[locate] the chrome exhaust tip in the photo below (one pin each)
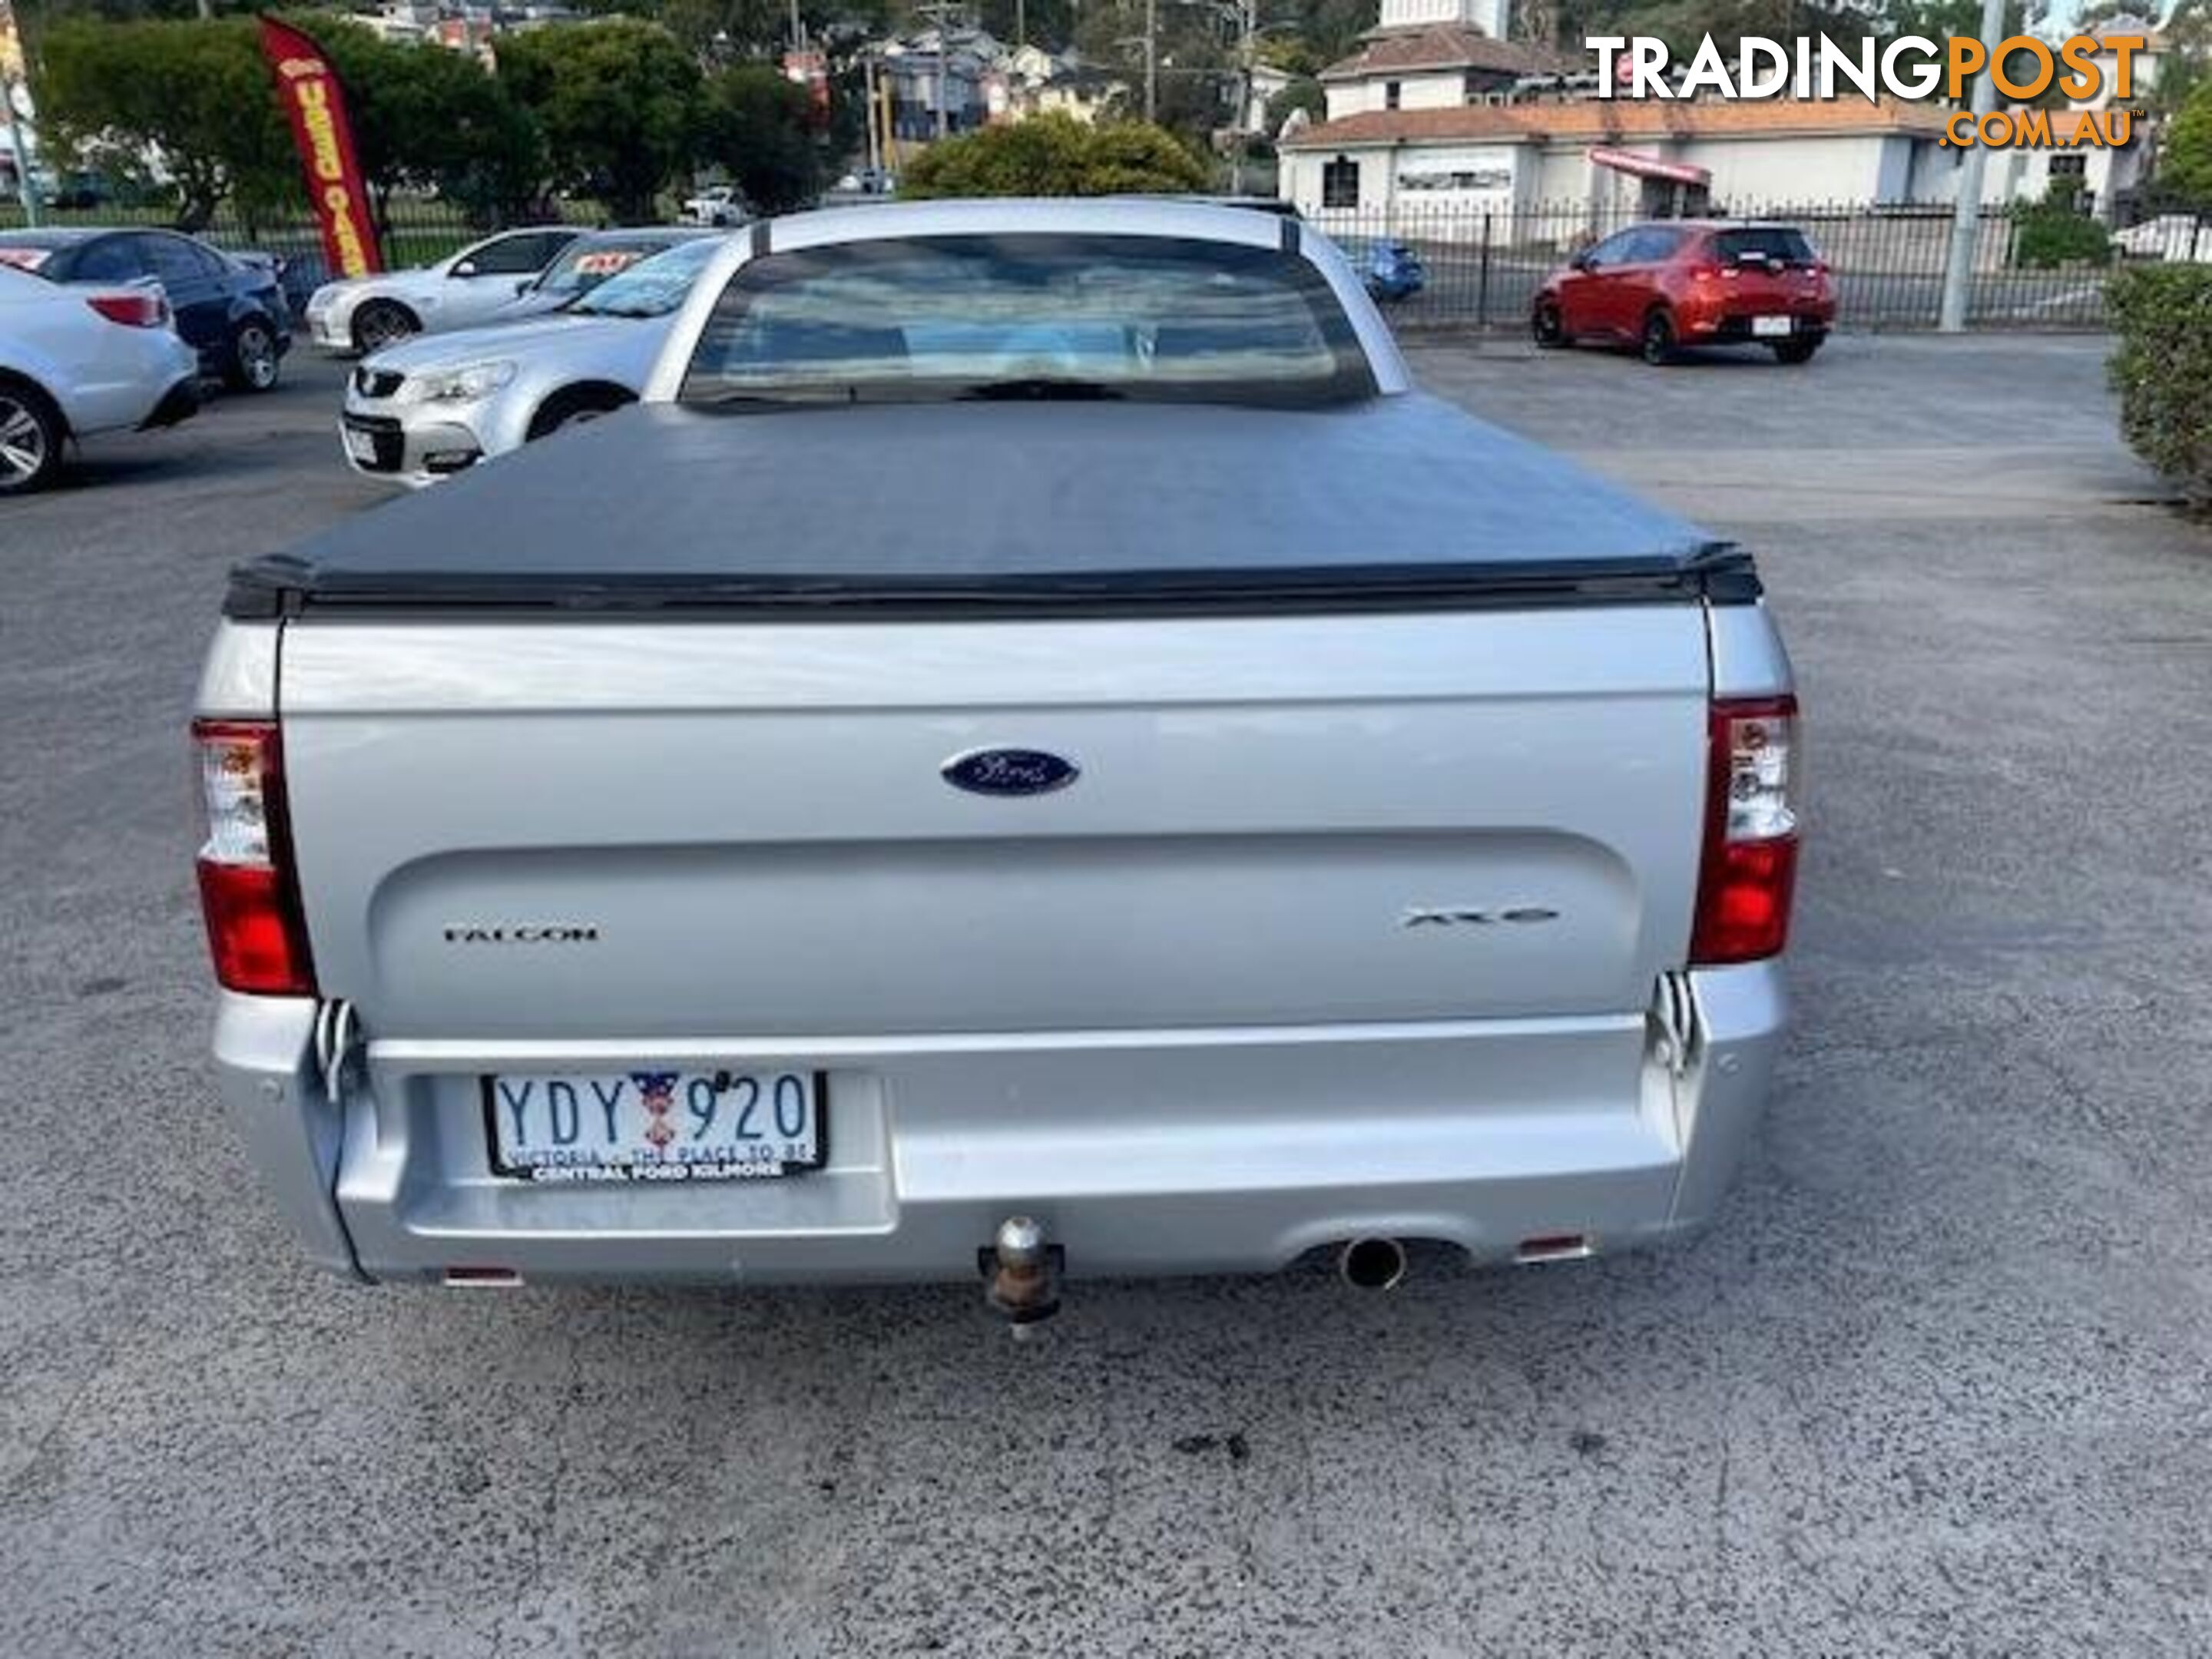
(1373, 1264)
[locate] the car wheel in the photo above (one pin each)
(572, 408)
(1658, 344)
(1794, 351)
(31, 434)
(381, 322)
(254, 359)
(1545, 324)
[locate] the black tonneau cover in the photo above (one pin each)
(1396, 502)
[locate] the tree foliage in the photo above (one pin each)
(617, 102)
(2184, 166)
(752, 124)
(1306, 94)
(196, 92)
(1055, 155)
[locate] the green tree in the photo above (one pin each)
(1305, 93)
(753, 122)
(2185, 165)
(617, 102)
(197, 92)
(1055, 155)
(424, 118)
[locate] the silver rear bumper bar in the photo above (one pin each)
(1159, 1151)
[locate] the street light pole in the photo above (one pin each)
(1967, 210)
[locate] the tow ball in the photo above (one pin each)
(1022, 1275)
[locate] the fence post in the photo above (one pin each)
(1482, 277)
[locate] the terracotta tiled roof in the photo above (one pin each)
(1446, 46)
(1604, 120)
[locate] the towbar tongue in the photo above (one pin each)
(1022, 1275)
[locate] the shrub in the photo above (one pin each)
(2056, 232)
(1055, 155)
(2162, 369)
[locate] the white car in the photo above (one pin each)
(365, 314)
(717, 205)
(77, 360)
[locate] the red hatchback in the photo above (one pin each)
(1689, 283)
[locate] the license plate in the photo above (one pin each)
(362, 445)
(648, 1125)
(1766, 325)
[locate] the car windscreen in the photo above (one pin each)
(1028, 315)
(1771, 244)
(586, 263)
(653, 287)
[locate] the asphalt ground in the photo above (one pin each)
(1936, 1384)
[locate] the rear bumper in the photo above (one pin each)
(179, 403)
(1142, 1152)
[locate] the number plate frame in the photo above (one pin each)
(627, 1174)
(1779, 327)
(360, 444)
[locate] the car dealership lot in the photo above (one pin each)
(1935, 1386)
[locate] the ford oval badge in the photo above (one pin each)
(1010, 772)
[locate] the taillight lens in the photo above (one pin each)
(255, 929)
(144, 309)
(1750, 869)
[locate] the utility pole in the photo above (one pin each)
(875, 151)
(940, 12)
(1966, 211)
(1247, 33)
(798, 29)
(1151, 60)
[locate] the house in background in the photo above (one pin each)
(1435, 113)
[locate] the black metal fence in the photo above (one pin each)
(413, 230)
(1484, 268)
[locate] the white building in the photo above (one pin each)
(1434, 113)
(2106, 176)
(1617, 153)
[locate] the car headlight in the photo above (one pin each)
(457, 385)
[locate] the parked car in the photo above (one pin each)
(1683, 283)
(233, 313)
(722, 206)
(588, 261)
(425, 409)
(1391, 270)
(365, 313)
(1035, 747)
(79, 361)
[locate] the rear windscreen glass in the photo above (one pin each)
(1772, 243)
(940, 318)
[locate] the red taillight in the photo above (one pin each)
(256, 932)
(134, 310)
(1751, 832)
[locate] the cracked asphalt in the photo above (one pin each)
(1935, 1385)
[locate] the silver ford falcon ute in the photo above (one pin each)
(1034, 751)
